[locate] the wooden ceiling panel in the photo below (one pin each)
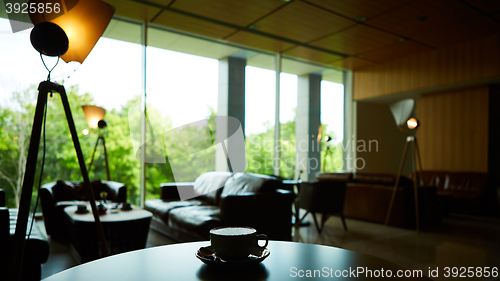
(290, 66)
(333, 75)
(302, 22)
(258, 41)
(464, 31)
(355, 40)
(312, 55)
(193, 25)
(134, 10)
(263, 61)
(189, 45)
(298, 67)
(124, 31)
(236, 12)
(322, 24)
(422, 16)
(356, 9)
(217, 51)
(395, 51)
(352, 63)
(488, 6)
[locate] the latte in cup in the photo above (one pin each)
(236, 243)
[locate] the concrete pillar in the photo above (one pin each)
(306, 126)
(231, 103)
(350, 133)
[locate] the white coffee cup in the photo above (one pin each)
(236, 243)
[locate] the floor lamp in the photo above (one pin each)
(327, 152)
(95, 119)
(402, 112)
(49, 38)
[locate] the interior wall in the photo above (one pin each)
(467, 62)
(494, 135)
(379, 143)
(454, 130)
(455, 122)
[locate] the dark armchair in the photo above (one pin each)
(36, 249)
(325, 197)
(56, 196)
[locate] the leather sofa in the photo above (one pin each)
(464, 192)
(55, 196)
(36, 248)
(223, 199)
(368, 196)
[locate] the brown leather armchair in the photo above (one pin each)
(325, 197)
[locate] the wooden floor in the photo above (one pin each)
(459, 241)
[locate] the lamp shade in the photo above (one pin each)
(404, 116)
(402, 111)
(83, 21)
(93, 114)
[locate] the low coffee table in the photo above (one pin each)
(125, 230)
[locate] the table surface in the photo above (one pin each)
(112, 215)
(287, 261)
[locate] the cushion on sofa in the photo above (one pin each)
(208, 186)
(468, 182)
(439, 179)
(241, 183)
(197, 220)
(161, 208)
(380, 178)
(334, 177)
(66, 191)
(69, 191)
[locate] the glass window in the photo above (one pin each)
(181, 90)
(260, 100)
(288, 111)
(110, 77)
(332, 123)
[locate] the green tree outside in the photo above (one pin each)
(124, 165)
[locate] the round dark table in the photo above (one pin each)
(288, 261)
